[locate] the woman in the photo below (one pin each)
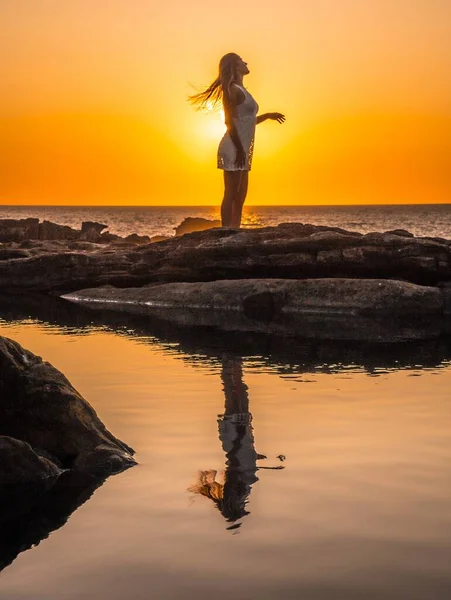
(236, 147)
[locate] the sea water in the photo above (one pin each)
(425, 220)
(267, 469)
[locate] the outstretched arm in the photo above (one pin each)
(275, 116)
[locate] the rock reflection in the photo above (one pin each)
(291, 354)
(230, 489)
(30, 512)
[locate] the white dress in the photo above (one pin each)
(245, 120)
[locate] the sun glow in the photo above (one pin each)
(214, 122)
(88, 117)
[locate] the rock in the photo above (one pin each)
(90, 235)
(39, 248)
(262, 317)
(445, 288)
(106, 237)
(17, 230)
(7, 253)
(19, 463)
(103, 461)
(270, 297)
(52, 231)
(402, 232)
(290, 251)
(159, 238)
(56, 245)
(80, 245)
(306, 342)
(137, 239)
(51, 271)
(54, 450)
(88, 225)
(24, 230)
(191, 224)
(331, 259)
(121, 243)
(40, 407)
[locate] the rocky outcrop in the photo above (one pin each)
(289, 251)
(53, 231)
(108, 238)
(159, 238)
(137, 239)
(52, 426)
(25, 230)
(267, 298)
(91, 232)
(17, 230)
(89, 225)
(191, 224)
(91, 235)
(341, 309)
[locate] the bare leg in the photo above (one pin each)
(231, 191)
(240, 198)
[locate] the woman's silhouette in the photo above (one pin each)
(237, 146)
(230, 490)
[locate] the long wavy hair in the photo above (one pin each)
(219, 90)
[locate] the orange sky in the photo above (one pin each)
(93, 100)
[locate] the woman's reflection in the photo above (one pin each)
(230, 490)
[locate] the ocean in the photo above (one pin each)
(420, 219)
(267, 468)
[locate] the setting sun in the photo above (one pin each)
(214, 122)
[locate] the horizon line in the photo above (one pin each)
(217, 205)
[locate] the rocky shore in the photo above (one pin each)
(291, 250)
(266, 274)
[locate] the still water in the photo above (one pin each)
(351, 501)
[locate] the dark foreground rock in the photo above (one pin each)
(289, 251)
(50, 423)
(19, 462)
(54, 450)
